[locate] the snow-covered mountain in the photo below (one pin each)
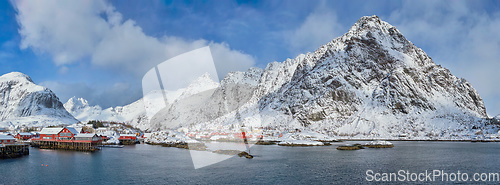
(370, 82)
(84, 112)
(234, 91)
(373, 81)
(22, 102)
(136, 113)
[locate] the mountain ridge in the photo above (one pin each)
(23, 103)
(369, 82)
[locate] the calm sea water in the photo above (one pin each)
(146, 164)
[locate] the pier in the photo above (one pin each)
(67, 138)
(66, 145)
(8, 151)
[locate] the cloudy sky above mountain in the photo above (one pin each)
(99, 50)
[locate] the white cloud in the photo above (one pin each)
(63, 70)
(224, 59)
(460, 37)
(73, 31)
(319, 28)
(66, 30)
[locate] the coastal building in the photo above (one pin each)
(7, 139)
(127, 139)
(128, 136)
(65, 133)
(79, 129)
(242, 135)
(66, 138)
(10, 149)
(92, 138)
(24, 135)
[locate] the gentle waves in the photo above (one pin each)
(146, 164)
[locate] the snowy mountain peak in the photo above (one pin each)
(22, 102)
(370, 22)
(202, 83)
(373, 70)
(374, 33)
(75, 103)
(373, 24)
(15, 76)
(204, 80)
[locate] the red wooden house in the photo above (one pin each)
(127, 137)
(24, 136)
(58, 134)
(6, 139)
(242, 135)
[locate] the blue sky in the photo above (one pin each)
(99, 50)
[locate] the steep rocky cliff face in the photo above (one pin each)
(370, 82)
(210, 102)
(373, 77)
(22, 102)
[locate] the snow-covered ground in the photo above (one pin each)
(379, 142)
(307, 135)
(304, 138)
(292, 142)
(169, 137)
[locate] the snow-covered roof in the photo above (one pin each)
(25, 134)
(79, 129)
(51, 130)
(6, 137)
(85, 135)
(72, 130)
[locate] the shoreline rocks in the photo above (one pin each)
(379, 144)
(351, 147)
(300, 143)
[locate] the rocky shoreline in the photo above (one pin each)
(184, 145)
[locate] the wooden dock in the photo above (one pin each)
(13, 150)
(65, 145)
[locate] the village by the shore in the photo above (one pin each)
(94, 135)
